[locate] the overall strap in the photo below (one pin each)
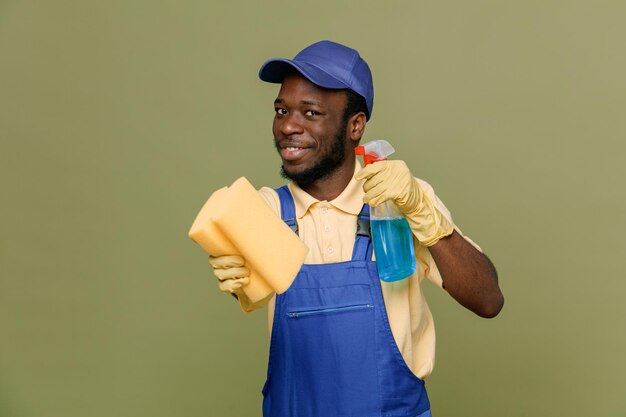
(363, 241)
(287, 208)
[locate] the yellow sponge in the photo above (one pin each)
(236, 221)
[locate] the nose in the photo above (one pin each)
(290, 124)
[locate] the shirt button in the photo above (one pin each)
(324, 210)
(326, 228)
(330, 249)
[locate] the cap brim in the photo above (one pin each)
(275, 70)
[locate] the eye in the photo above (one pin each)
(280, 111)
(311, 113)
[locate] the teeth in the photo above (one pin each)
(292, 148)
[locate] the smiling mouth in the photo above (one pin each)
(292, 153)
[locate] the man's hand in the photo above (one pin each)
(230, 272)
(392, 180)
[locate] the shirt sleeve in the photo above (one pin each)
(270, 196)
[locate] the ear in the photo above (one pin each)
(356, 126)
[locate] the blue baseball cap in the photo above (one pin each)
(328, 65)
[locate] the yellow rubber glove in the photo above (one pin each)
(392, 180)
(230, 272)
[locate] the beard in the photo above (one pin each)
(329, 162)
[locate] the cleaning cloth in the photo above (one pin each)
(236, 221)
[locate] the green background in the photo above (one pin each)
(119, 118)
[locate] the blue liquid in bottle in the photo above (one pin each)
(393, 247)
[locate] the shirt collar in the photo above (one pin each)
(350, 200)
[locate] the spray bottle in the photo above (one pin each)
(391, 234)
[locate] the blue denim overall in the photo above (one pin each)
(332, 352)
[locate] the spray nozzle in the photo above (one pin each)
(376, 150)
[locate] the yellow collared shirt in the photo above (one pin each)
(328, 228)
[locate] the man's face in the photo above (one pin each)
(309, 131)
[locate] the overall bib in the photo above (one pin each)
(332, 352)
